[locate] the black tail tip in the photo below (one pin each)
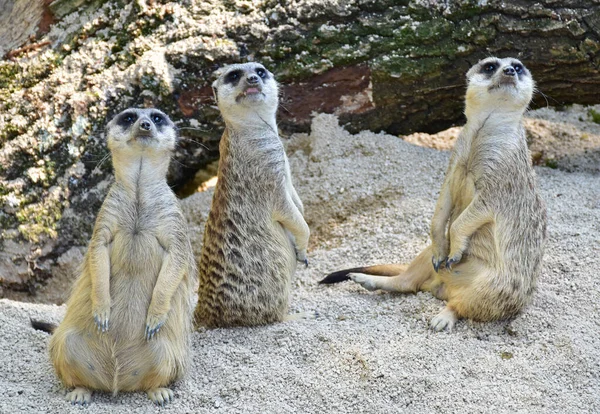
(43, 326)
(336, 277)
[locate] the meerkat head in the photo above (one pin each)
(245, 91)
(498, 84)
(136, 129)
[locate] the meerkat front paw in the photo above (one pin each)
(440, 254)
(101, 316)
(365, 281)
(153, 325)
(301, 257)
(160, 396)
(79, 396)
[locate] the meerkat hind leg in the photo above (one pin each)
(160, 396)
(444, 320)
(414, 278)
(80, 396)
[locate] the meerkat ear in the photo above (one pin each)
(215, 94)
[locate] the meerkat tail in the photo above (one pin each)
(43, 326)
(377, 270)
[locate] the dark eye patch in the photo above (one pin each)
(262, 73)
(158, 119)
(233, 77)
(489, 68)
(126, 119)
(518, 68)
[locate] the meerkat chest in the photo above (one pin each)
(136, 243)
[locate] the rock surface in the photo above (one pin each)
(386, 65)
(369, 198)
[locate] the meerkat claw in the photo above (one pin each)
(160, 396)
(305, 262)
(79, 396)
(451, 261)
(150, 332)
(437, 263)
(101, 323)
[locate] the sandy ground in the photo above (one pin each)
(369, 198)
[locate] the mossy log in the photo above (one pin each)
(394, 66)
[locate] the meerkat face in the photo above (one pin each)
(135, 129)
(499, 83)
(247, 87)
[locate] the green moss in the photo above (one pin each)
(551, 163)
(467, 9)
(506, 355)
(594, 115)
(9, 132)
(384, 69)
(7, 221)
(40, 219)
(8, 74)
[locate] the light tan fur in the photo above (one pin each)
(129, 316)
(255, 230)
(489, 226)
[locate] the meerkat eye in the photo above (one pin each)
(127, 119)
(489, 68)
(157, 119)
(233, 76)
(261, 72)
(518, 68)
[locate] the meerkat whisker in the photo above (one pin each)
(195, 142)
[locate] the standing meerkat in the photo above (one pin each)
(489, 226)
(255, 231)
(129, 318)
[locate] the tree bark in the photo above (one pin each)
(394, 66)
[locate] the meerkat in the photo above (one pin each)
(129, 317)
(489, 226)
(255, 230)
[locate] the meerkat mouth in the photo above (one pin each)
(504, 82)
(142, 137)
(251, 92)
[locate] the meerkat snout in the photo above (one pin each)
(252, 79)
(510, 71)
(145, 125)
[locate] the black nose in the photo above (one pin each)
(509, 70)
(252, 79)
(145, 125)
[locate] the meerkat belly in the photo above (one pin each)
(136, 260)
(245, 270)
